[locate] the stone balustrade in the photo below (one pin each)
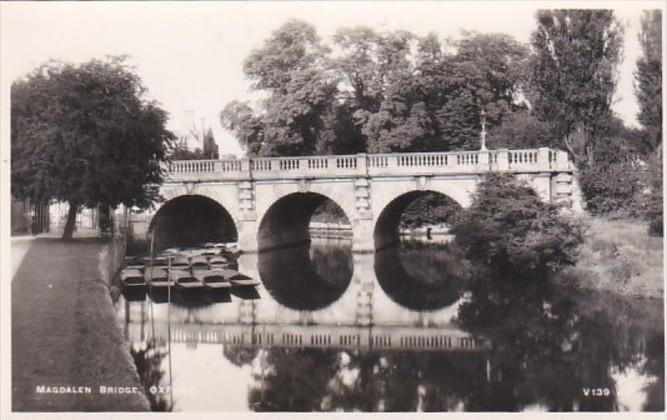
(372, 165)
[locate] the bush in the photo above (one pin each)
(612, 189)
(510, 232)
(655, 204)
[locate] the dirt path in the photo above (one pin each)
(64, 332)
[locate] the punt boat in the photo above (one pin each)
(139, 267)
(157, 277)
(212, 279)
(131, 277)
(199, 262)
(158, 261)
(237, 279)
(217, 262)
(185, 280)
(180, 262)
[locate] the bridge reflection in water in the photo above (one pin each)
(319, 298)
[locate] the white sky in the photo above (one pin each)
(190, 54)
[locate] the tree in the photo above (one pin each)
(180, 152)
(292, 119)
(86, 134)
(522, 130)
(435, 103)
(240, 119)
(379, 92)
(574, 74)
(510, 233)
(648, 87)
(210, 147)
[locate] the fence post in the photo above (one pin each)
(362, 164)
(543, 158)
(483, 160)
(503, 160)
(246, 167)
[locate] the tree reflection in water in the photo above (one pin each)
(337, 380)
(296, 380)
(545, 347)
(551, 346)
(148, 360)
(421, 277)
(306, 277)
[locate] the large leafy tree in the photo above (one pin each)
(374, 92)
(648, 87)
(432, 99)
(87, 135)
(574, 74)
(290, 69)
(649, 95)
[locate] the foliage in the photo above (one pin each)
(85, 134)
(210, 147)
(239, 118)
(430, 209)
(183, 153)
(613, 188)
(209, 151)
(614, 183)
(433, 102)
(379, 92)
(509, 232)
(522, 130)
(648, 87)
(329, 212)
(292, 119)
(574, 74)
(655, 207)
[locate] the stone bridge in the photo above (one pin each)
(268, 202)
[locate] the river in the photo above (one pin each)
(329, 330)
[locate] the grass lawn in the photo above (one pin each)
(619, 256)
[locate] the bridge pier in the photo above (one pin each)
(247, 231)
(362, 236)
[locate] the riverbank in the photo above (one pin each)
(620, 257)
(65, 338)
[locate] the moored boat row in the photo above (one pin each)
(214, 279)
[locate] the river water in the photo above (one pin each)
(329, 330)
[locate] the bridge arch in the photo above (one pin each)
(285, 222)
(386, 232)
(192, 219)
(306, 278)
(420, 281)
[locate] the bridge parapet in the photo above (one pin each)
(370, 165)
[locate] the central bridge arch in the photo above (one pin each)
(285, 223)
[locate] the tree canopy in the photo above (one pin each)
(574, 74)
(86, 134)
(648, 87)
(375, 92)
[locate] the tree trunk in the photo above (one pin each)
(71, 220)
